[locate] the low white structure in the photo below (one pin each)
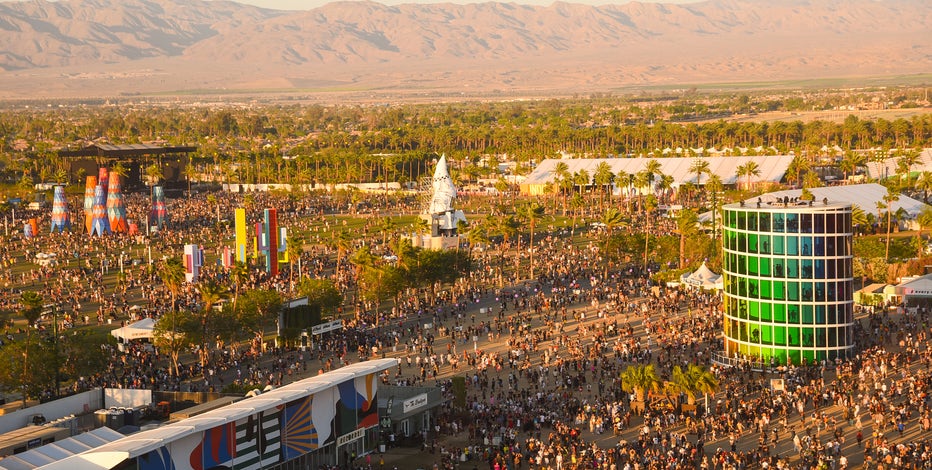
(143, 329)
(703, 278)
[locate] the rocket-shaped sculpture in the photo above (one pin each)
(89, 202)
(61, 216)
(116, 209)
(159, 214)
(100, 224)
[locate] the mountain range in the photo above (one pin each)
(99, 48)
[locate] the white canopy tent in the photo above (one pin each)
(143, 329)
(702, 277)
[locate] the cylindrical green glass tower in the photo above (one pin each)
(788, 281)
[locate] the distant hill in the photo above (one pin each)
(110, 47)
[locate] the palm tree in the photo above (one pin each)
(889, 199)
(611, 219)
(924, 220)
(699, 167)
(342, 243)
(749, 169)
(531, 212)
(859, 218)
(798, 165)
(693, 381)
(564, 180)
(603, 178)
(850, 163)
(171, 272)
(212, 293)
(687, 225)
(924, 184)
(238, 275)
(387, 227)
(811, 180)
(649, 205)
(640, 379)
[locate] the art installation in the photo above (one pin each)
(89, 202)
(31, 228)
(159, 214)
(270, 241)
(100, 225)
(103, 177)
(240, 244)
(440, 210)
(226, 258)
(61, 216)
(116, 208)
(193, 260)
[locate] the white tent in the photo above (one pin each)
(139, 330)
(702, 277)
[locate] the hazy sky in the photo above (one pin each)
(308, 4)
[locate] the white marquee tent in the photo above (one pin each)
(702, 277)
(142, 329)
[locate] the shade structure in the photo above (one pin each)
(100, 225)
(61, 216)
(89, 202)
(159, 214)
(116, 208)
(193, 260)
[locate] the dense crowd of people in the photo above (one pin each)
(542, 358)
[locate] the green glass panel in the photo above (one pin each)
(807, 314)
(779, 223)
(764, 222)
(779, 335)
(754, 310)
(742, 221)
(808, 337)
(752, 242)
(752, 222)
(753, 265)
(792, 291)
(792, 245)
(792, 223)
(766, 334)
(806, 246)
(820, 315)
(809, 357)
(779, 313)
(806, 291)
(779, 290)
(765, 266)
(805, 270)
(765, 313)
(765, 244)
(792, 268)
(794, 357)
(792, 314)
(792, 336)
(779, 243)
(820, 335)
(766, 292)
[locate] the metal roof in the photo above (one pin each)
(772, 168)
(888, 167)
(125, 150)
(60, 450)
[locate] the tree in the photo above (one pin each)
(603, 178)
(29, 365)
(924, 220)
(859, 219)
(700, 167)
(531, 212)
(259, 309)
(687, 225)
(693, 381)
(564, 180)
(889, 199)
(171, 272)
(168, 335)
(749, 169)
(212, 293)
(321, 293)
(640, 379)
(649, 205)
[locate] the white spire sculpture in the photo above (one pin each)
(443, 218)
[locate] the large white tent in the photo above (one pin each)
(702, 277)
(142, 329)
(772, 169)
